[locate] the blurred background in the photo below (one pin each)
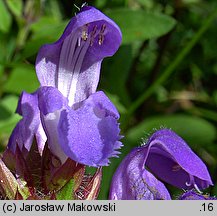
(164, 74)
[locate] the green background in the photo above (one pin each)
(163, 75)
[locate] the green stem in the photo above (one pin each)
(171, 68)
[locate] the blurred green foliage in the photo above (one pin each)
(164, 74)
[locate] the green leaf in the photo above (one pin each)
(66, 193)
(1, 72)
(32, 46)
(146, 3)
(22, 78)
(196, 131)
(191, 1)
(9, 103)
(7, 47)
(44, 22)
(46, 30)
(141, 25)
(48, 27)
(8, 119)
(16, 6)
(55, 9)
(100, 3)
(215, 189)
(116, 71)
(5, 18)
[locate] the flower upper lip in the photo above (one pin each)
(72, 64)
(167, 146)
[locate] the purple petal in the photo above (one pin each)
(171, 159)
(29, 126)
(51, 103)
(72, 64)
(50, 100)
(192, 195)
(132, 181)
(90, 134)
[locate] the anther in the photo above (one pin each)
(94, 31)
(101, 34)
(93, 35)
(101, 39)
(197, 189)
(84, 33)
(191, 182)
(188, 184)
(84, 4)
(103, 27)
(176, 168)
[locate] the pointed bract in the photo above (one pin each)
(90, 186)
(8, 183)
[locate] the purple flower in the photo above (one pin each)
(192, 195)
(169, 158)
(132, 181)
(79, 122)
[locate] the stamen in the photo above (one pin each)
(188, 184)
(197, 189)
(84, 4)
(79, 41)
(73, 51)
(147, 153)
(94, 31)
(84, 33)
(176, 168)
(191, 181)
(103, 29)
(93, 35)
(65, 63)
(75, 56)
(101, 34)
(77, 61)
(101, 39)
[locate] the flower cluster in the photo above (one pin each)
(66, 125)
